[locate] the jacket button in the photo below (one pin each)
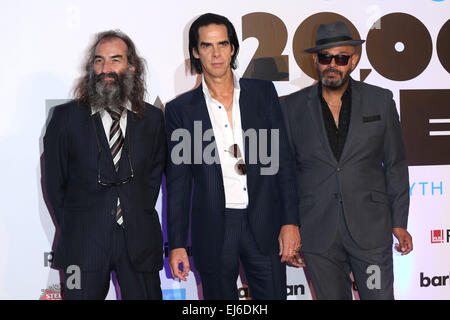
(339, 169)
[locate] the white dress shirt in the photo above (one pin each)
(235, 185)
(107, 120)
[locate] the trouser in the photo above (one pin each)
(266, 275)
(372, 269)
(133, 285)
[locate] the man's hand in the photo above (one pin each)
(289, 240)
(177, 256)
(404, 245)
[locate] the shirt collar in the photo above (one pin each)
(206, 90)
(127, 106)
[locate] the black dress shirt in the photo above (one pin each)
(337, 135)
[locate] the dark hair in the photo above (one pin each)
(136, 97)
(205, 20)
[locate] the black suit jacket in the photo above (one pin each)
(370, 179)
(75, 151)
(272, 200)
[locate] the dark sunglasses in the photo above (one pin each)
(114, 183)
(239, 167)
(339, 59)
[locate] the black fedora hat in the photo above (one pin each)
(331, 35)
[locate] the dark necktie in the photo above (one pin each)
(115, 144)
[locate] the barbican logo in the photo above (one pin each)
(440, 236)
(433, 281)
(295, 290)
(291, 290)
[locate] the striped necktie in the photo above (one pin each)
(115, 144)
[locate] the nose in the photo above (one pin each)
(333, 63)
(216, 51)
(107, 67)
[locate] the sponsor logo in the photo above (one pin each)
(48, 258)
(434, 281)
(295, 290)
(440, 236)
(53, 292)
(426, 188)
(291, 290)
(174, 294)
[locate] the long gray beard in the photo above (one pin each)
(112, 94)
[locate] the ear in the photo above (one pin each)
(314, 56)
(195, 53)
(132, 68)
(354, 60)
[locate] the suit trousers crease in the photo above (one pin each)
(330, 270)
(132, 285)
(266, 275)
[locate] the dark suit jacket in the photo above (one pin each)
(271, 197)
(83, 208)
(371, 178)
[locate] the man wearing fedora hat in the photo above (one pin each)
(352, 173)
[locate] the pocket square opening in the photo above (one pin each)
(372, 118)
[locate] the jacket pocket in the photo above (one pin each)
(380, 197)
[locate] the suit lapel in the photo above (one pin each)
(249, 113)
(105, 162)
(200, 113)
(100, 133)
(130, 132)
(248, 105)
(315, 110)
(355, 119)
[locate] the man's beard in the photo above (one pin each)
(333, 84)
(112, 94)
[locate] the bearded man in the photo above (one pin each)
(352, 173)
(105, 153)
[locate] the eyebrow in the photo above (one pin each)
(202, 43)
(340, 52)
(112, 57)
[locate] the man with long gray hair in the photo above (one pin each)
(104, 154)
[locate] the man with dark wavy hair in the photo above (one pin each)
(104, 154)
(240, 212)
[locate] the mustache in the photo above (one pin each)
(102, 76)
(331, 70)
